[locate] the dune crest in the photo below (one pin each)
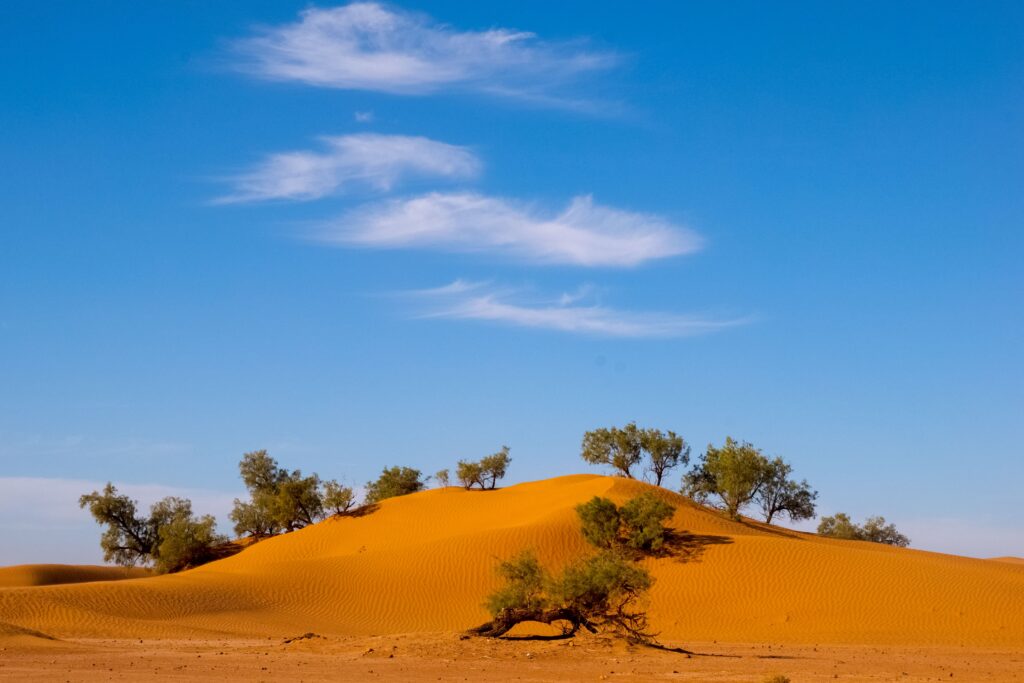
(425, 562)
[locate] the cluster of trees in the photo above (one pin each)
(170, 538)
(874, 529)
(735, 475)
(600, 592)
(281, 500)
(631, 446)
(484, 473)
(739, 474)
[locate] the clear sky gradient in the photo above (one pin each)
(368, 235)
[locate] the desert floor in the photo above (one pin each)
(433, 657)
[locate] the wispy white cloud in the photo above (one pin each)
(363, 116)
(378, 161)
(462, 300)
(583, 234)
(367, 46)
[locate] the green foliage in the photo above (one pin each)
(171, 538)
(601, 522)
(778, 494)
(734, 473)
(600, 591)
(485, 472)
(254, 518)
(525, 585)
(638, 525)
(600, 583)
(442, 478)
(279, 500)
(128, 540)
(875, 530)
(839, 526)
(469, 472)
(184, 540)
(495, 466)
(643, 518)
(394, 481)
(619, 448)
(665, 451)
(337, 498)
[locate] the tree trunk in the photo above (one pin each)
(508, 618)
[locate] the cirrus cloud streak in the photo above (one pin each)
(367, 46)
(583, 234)
(462, 300)
(377, 161)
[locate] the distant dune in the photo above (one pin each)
(425, 562)
(49, 574)
(1011, 560)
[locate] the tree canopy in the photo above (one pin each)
(394, 481)
(874, 529)
(637, 526)
(171, 539)
(624, 448)
(485, 472)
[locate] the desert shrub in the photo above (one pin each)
(170, 539)
(875, 530)
(600, 592)
(600, 522)
(525, 585)
(394, 481)
(778, 678)
(637, 525)
(643, 520)
(337, 498)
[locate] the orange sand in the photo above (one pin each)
(49, 574)
(425, 562)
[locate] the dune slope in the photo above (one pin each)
(51, 574)
(425, 562)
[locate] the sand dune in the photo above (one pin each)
(49, 574)
(424, 563)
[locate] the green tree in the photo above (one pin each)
(394, 481)
(172, 538)
(337, 498)
(619, 448)
(600, 522)
(778, 494)
(665, 451)
(254, 518)
(469, 473)
(734, 473)
(128, 539)
(183, 540)
(839, 526)
(298, 502)
(877, 531)
(597, 593)
(442, 478)
(494, 466)
(643, 518)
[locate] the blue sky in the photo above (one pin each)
(364, 235)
